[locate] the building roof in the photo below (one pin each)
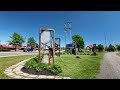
(6, 46)
(90, 46)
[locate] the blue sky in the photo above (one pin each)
(91, 25)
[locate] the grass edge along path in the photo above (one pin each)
(118, 53)
(6, 62)
(85, 67)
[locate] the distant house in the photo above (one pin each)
(12, 47)
(89, 47)
(6, 46)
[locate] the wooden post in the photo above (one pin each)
(51, 40)
(53, 44)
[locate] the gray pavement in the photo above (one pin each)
(7, 54)
(110, 66)
(45, 59)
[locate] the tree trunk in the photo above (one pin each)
(15, 48)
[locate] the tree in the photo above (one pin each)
(16, 40)
(106, 48)
(100, 48)
(31, 42)
(111, 48)
(118, 47)
(79, 41)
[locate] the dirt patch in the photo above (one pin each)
(43, 72)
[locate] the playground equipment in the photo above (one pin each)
(47, 36)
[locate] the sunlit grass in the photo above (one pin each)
(85, 67)
(5, 62)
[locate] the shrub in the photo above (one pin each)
(88, 54)
(36, 58)
(100, 48)
(111, 48)
(4, 49)
(40, 66)
(30, 64)
(84, 53)
(33, 63)
(68, 51)
(55, 69)
(57, 54)
(64, 53)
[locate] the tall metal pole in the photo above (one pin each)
(68, 26)
(53, 44)
(39, 45)
(105, 40)
(70, 37)
(65, 38)
(59, 45)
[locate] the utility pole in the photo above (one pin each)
(105, 39)
(67, 27)
(39, 48)
(65, 38)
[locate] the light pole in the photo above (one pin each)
(65, 38)
(67, 27)
(39, 47)
(105, 39)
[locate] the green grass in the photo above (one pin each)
(5, 62)
(118, 54)
(86, 67)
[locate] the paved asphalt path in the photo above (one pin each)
(18, 53)
(6, 54)
(110, 66)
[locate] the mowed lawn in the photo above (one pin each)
(5, 62)
(118, 54)
(85, 67)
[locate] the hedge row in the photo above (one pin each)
(3, 49)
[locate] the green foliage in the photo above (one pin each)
(55, 68)
(40, 66)
(36, 58)
(33, 63)
(68, 51)
(6, 62)
(79, 40)
(30, 64)
(84, 53)
(100, 48)
(57, 53)
(85, 67)
(118, 47)
(111, 48)
(106, 48)
(4, 49)
(31, 42)
(16, 39)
